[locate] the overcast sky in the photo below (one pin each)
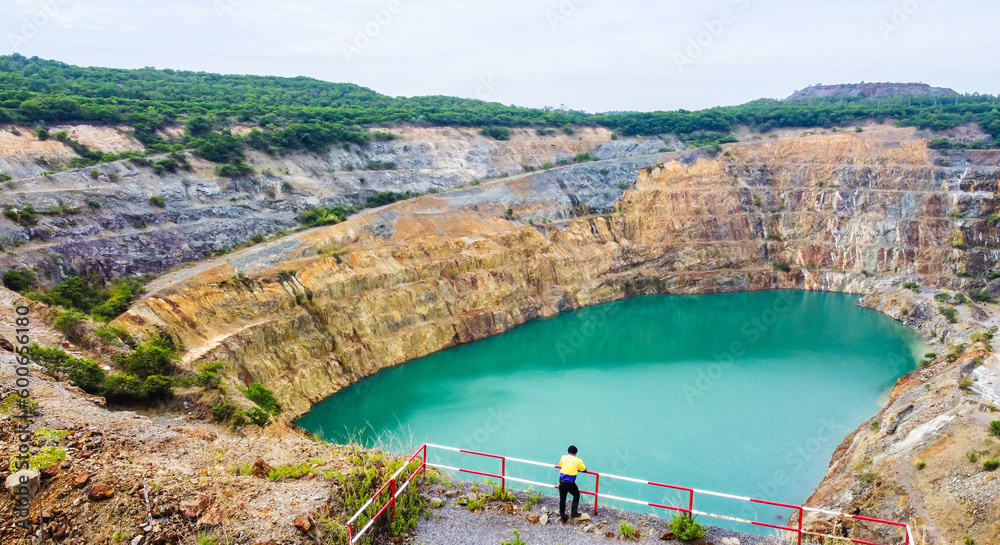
(594, 55)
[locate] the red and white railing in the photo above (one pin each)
(690, 511)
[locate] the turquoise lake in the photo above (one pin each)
(743, 393)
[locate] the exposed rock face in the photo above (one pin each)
(870, 90)
(99, 219)
(846, 212)
(921, 458)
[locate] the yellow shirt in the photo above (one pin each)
(569, 466)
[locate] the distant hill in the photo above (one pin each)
(870, 90)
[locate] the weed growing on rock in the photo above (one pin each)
(516, 541)
(687, 529)
(627, 531)
(949, 313)
(991, 465)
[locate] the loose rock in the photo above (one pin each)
(100, 491)
(193, 508)
(24, 481)
(303, 523)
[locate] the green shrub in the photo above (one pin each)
(158, 201)
(942, 297)
(149, 359)
(516, 541)
(113, 335)
(122, 387)
(687, 529)
(156, 386)
(4, 178)
(782, 266)
(627, 531)
(48, 456)
(223, 411)
(982, 297)
(912, 286)
(19, 280)
(263, 397)
(166, 165)
(86, 374)
(290, 471)
(949, 313)
(315, 217)
(24, 216)
(70, 323)
(995, 428)
(14, 404)
(940, 143)
(208, 375)
(235, 170)
(960, 299)
(383, 198)
(921, 465)
(991, 465)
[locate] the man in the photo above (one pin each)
(569, 466)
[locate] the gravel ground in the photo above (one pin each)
(453, 524)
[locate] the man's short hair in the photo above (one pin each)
(572, 449)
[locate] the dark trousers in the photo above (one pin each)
(566, 487)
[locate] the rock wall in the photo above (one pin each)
(329, 306)
(99, 219)
(860, 213)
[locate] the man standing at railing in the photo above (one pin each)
(569, 466)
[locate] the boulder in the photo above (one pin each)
(24, 482)
(260, 468)
(437, 503)
(667, 536)
(303, 523)
(100, 491)
(544, 519)
(192, 508)
(584, 517)
(81, 479)
(533, 518)
(49, 472)
(211, 519)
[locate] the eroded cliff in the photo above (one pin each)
(331, 305)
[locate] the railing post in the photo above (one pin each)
(597, 491)
(350, 533)
(393, 488)
(691, 504)
(503, 474)
(425, 457)
(800, 526)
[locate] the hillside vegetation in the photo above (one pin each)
(304, 113)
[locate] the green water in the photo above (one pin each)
(745, 393)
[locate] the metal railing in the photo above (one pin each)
(690, 511)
